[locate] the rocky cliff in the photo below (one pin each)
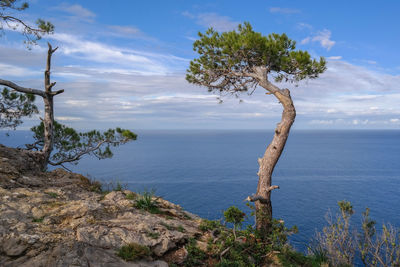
(60, 218)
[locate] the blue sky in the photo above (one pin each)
(122, 63)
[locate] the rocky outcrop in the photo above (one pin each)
(57, 219)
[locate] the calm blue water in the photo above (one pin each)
(208, 171)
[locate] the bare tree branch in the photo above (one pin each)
(22, 89)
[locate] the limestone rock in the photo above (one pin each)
(177, 256)
(54, 219)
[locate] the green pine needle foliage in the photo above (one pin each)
(226, 58)
(9, 16)
(70, 145)
(14, 106)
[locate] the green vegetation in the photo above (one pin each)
(341, 244)
(112, 186)
(168, 226)
(243, 248)
(70, 145)
(91, 184)
(195, 255)
(133, 252)
(130, 196)
(235, 216)
(187, 217)
(38, 220)
(181, 229)
(291, 258)
(52, 194)
(14, 106)
(8, 16)
(145, 201)
(95, 186)
(207, 225)
(118, 187)
(153, 235)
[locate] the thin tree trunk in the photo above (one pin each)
(43, 156)
(271, 156)
(48, 121)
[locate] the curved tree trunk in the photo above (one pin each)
(271, 156)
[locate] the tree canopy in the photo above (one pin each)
(14, 106)
(9, 21)
(70, 145)
(227, 61)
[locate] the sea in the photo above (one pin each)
(207, 171)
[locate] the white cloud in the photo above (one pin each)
(304, 26)
(305, 40)
(322, 37)
(323, 122)
(118, 59)
(16, 71)
(66, 118)
(283, 10)
(125, 30)
(77, 11)
(335, 57)
(109, 86)
(218, 22)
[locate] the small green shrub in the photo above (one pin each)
(95, 187)
(153, 235)
(145, 202)
(208, 225)
(91, 183)
(131, 196)
(52, 194)
(288, 257)
(118, 187)
(168, 226)
(38, 220)
(318, 253)
(187, 217)
(133, 252)
(181, 229)
(248, 247)
(113, 186)
(228, 263)
(195, 255)
(235, 216)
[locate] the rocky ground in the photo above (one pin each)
(58, 219)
